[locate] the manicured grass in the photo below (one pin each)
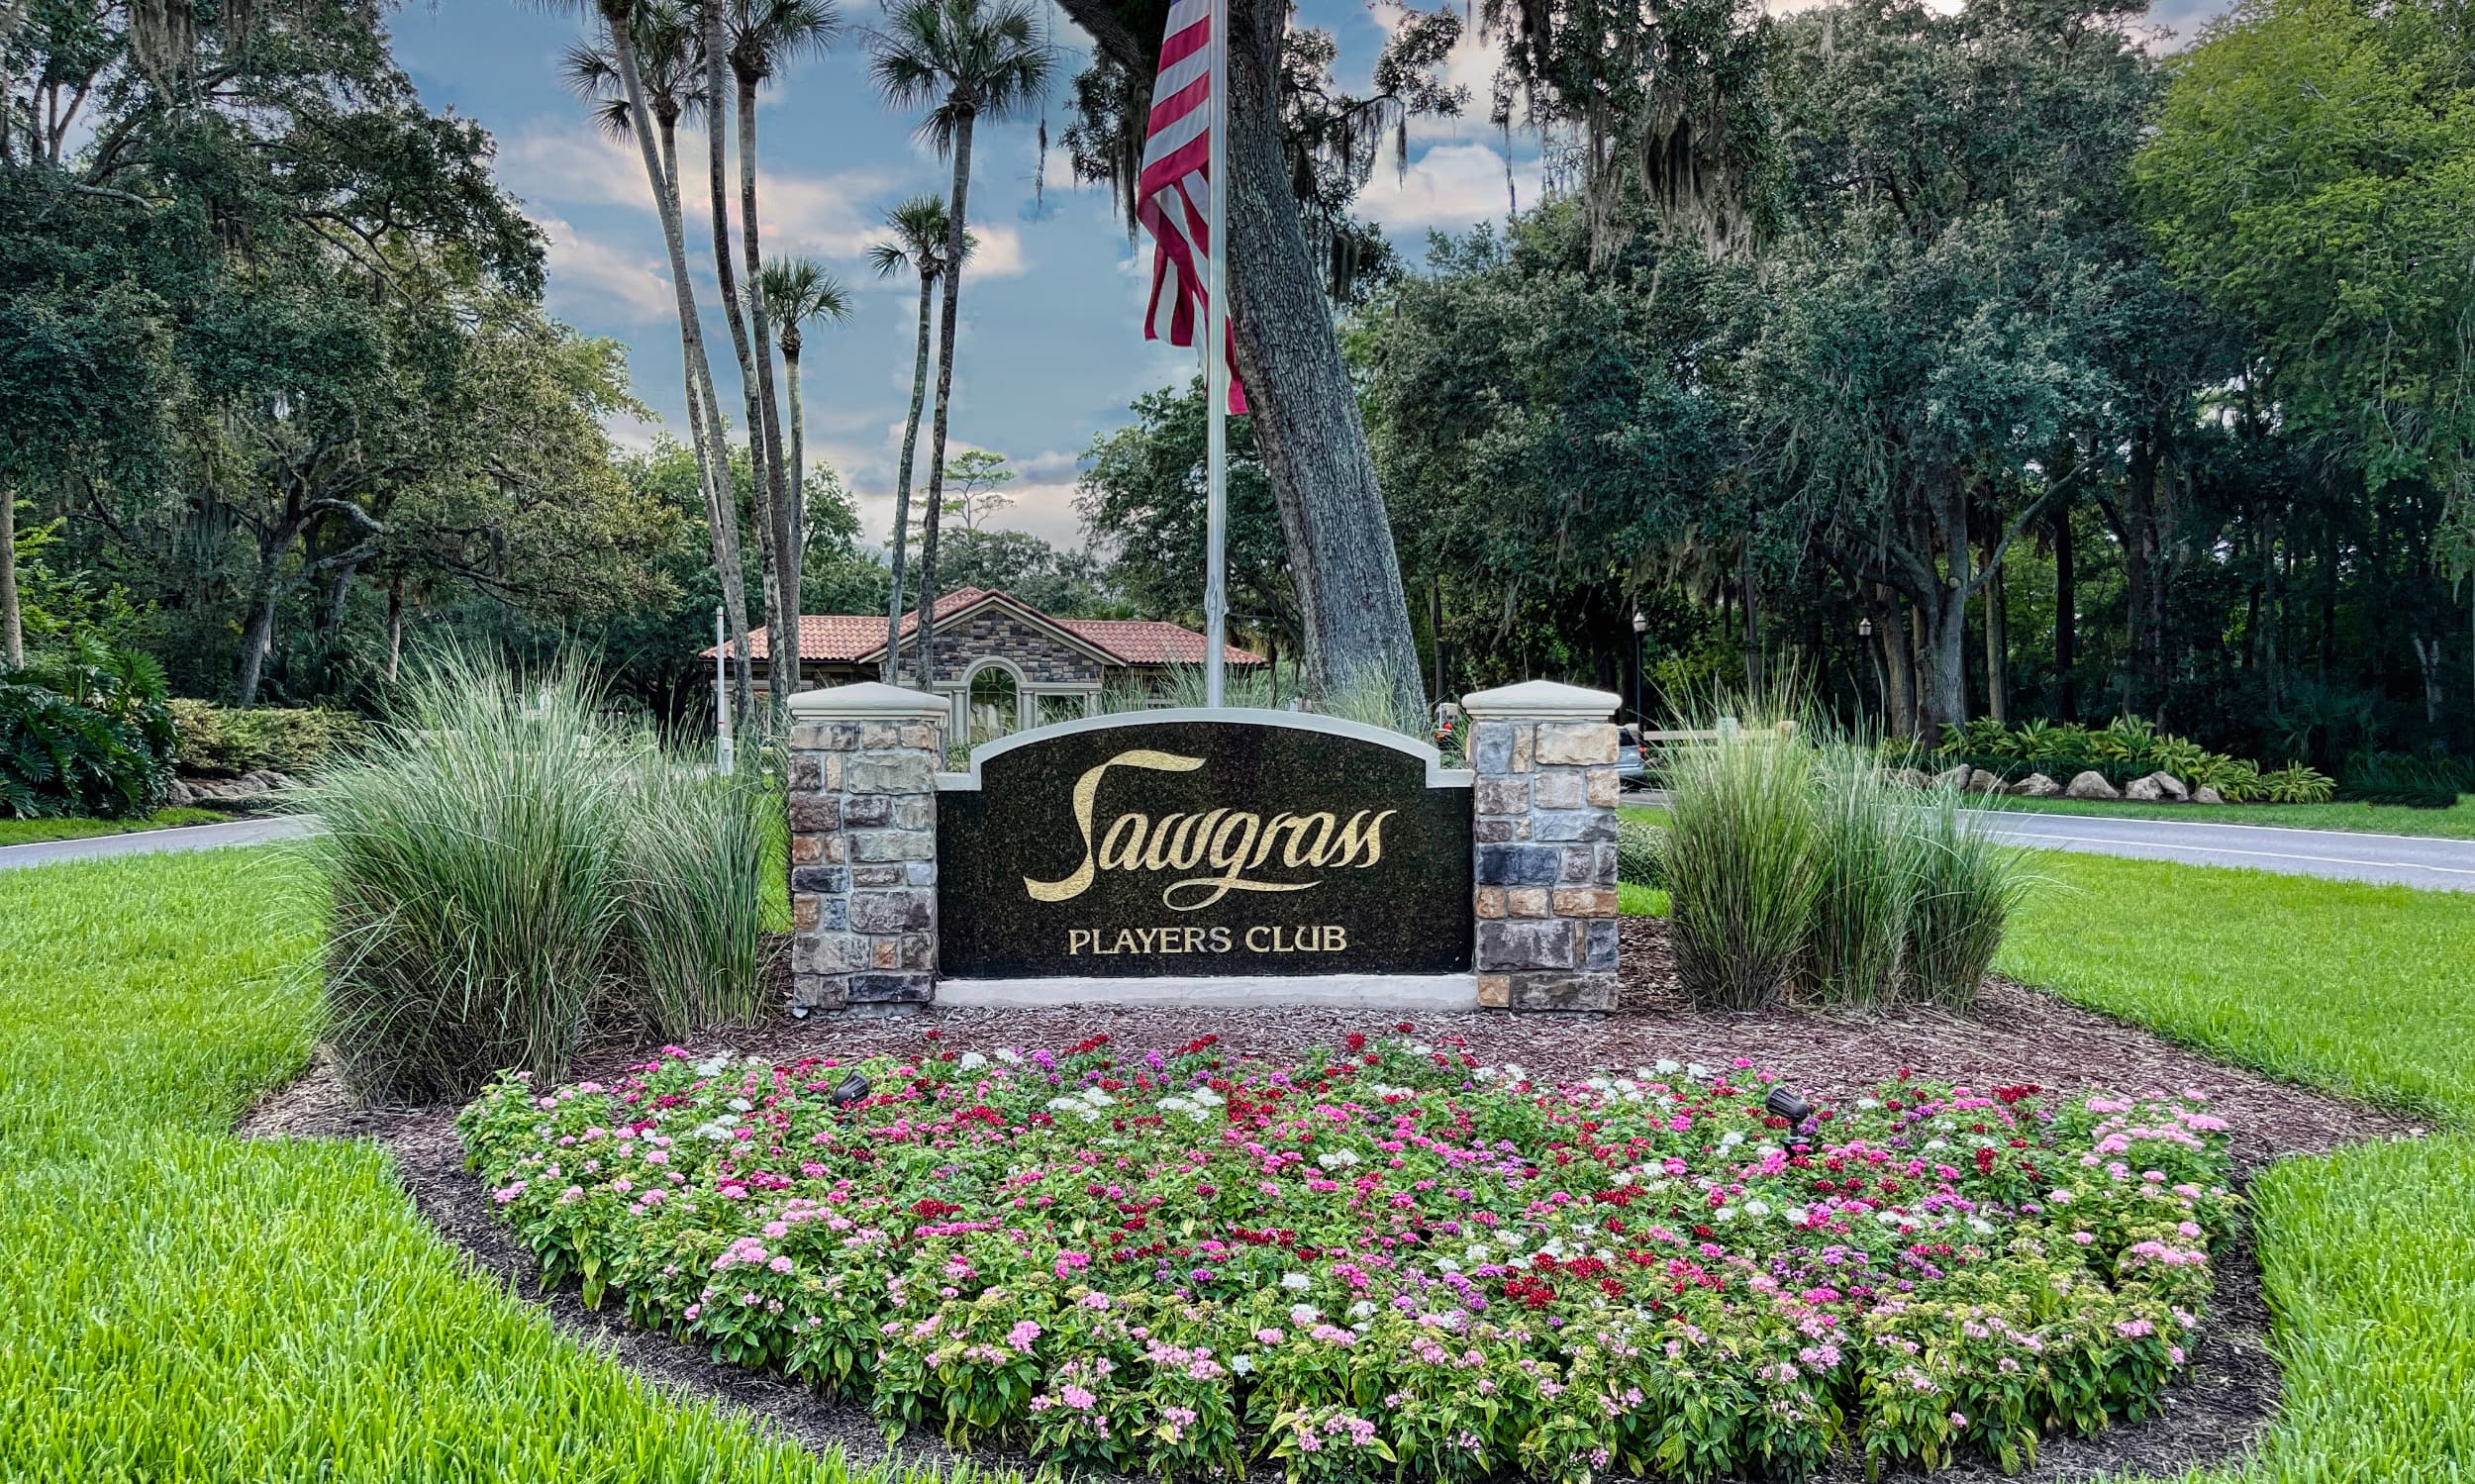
(183, 1305)
(2457, 823)
(2369, 990)
(2368, 1255)
(40, 832)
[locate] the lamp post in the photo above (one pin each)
(1881, 683)
(1641, 626)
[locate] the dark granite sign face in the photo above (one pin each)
(1251, 843)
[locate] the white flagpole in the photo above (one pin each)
(1215, 383)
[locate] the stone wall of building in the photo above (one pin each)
(1544, 835)
(994, 632)
(862, 804)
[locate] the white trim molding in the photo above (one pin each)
(1429, 993)
(1437, 775)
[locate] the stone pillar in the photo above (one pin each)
(862, 800)
(1544, 833)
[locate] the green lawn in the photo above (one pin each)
(2456, 823)
(37, 831)
(183, 1305)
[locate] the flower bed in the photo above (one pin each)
(1385, 1257)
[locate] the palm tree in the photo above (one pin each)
(762, 36)
(964, 60)
(919, 231)
(796, 289)
(649, 29)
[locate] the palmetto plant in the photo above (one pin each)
(962, 60)
(797, 290)
(921, 227)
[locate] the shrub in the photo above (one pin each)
(2297, 783)
(1433, 1286)
(1739, 864)
(505, 861)
(86, 734)
(2403, 778)
(2123, 749)
(1963, 886)
(228, 742)
(1636, 852)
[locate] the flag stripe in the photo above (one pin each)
(1173, 191)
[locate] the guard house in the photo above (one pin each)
(1004, 665)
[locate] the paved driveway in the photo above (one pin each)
(146, 842)
(2406, 859)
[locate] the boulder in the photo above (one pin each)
(1982, 782)
(1955, 776)
(2158, 788)
(1914, 777)
(2090, 785)
(2036, 786)
(2203, 794)
(254, 790)
(179, 796)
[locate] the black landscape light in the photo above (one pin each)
(847, 1091)
(1787, 1105)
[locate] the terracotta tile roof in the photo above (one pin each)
(854, 636)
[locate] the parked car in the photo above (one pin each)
(1628, 766)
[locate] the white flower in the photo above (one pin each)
(1697, 1072)
(739, 1105)
(1447, 1265)
(1868, 1102)
(1421, 1048)
(1337, 1160)
(1757, 1208)
(1098, 1099)
(1724, 1213)
(1008, 1055)
(1304, 1314)
(1795, 1214)
(1296, 1282)
(2059, 1196)
(1243, 1364)
(712, 1065)
(971, 1061)
(1207, 1097)
(1668, 1064)
(1980, 1225)
(1731, 1139)
(1362, 1310)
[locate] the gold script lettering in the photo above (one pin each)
(1087, 789)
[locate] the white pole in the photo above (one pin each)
(1216, 384)
(721, 693)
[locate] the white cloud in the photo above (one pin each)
(1449, 186)
(586, 272)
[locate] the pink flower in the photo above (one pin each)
(1022, 1335)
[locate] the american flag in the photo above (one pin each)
(1174, 190)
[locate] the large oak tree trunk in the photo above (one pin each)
(1356, 622)
(2066, 618)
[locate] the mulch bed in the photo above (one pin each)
(2218, 1410)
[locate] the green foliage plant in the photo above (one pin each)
(85, 732)
(228, 740)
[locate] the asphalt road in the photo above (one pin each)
(146, 842)
(2405, 860)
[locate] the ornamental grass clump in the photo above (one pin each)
(1865, 852)
(1964, 885)
(508, 866)
(1738, 863)
(700, 853)
(1385, 1262)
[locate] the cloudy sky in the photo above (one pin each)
(1050, 341)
